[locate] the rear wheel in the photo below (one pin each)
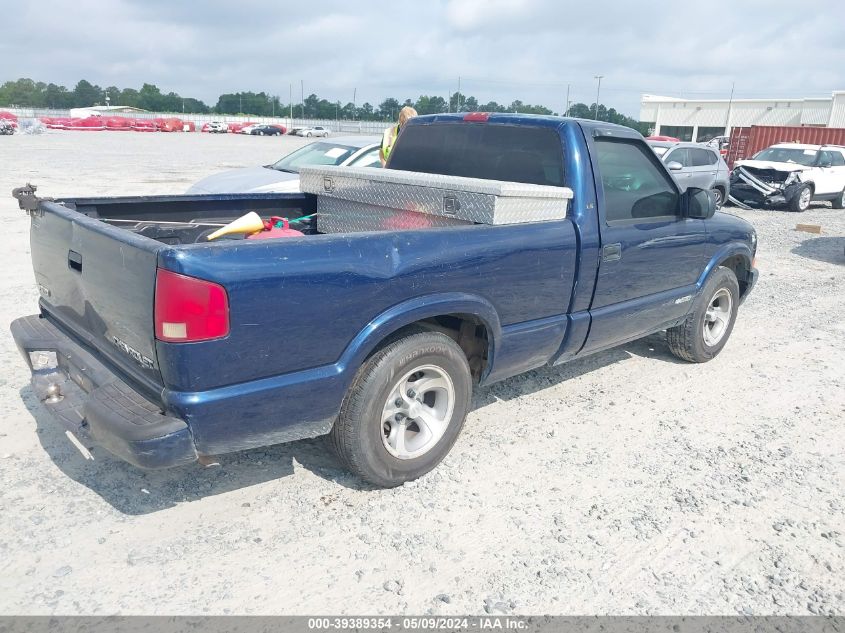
(708, 327)
(719, 196)
(801, 200)
(308, 134)
(404, 409)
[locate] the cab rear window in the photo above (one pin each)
(513, 153)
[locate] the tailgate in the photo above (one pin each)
(97, 282)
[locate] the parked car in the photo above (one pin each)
(283, 175)
(696, 165)
(246, 129)
(6, 128)
(10, 119)
(265, 130)
(791, 174)
(720, 143)
(144, 125)
(166, 351)
(215, 127)
(317, 130)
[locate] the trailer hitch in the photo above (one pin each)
(27, 200)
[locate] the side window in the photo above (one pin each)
(837, 159)
(826, 158)
(368, 159)
(680, 155)
(703, 157)
(635, 186)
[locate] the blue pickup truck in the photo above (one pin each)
(165, 348)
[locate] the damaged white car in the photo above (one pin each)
(792, 175)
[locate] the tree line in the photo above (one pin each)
(36, 94)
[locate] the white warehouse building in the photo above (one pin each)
(701, 120)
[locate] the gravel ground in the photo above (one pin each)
(623, 483)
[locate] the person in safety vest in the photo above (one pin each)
(390, 134)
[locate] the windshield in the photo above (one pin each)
(805, 157)
(324, 153)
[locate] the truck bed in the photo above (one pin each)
(96, 273)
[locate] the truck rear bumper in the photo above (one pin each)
(90, 401)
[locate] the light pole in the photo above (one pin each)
(598, 92)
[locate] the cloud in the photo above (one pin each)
(502, 49)
(472, 15)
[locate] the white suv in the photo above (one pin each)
(791, 174)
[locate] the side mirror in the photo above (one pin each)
(674, 165)
(698, 204)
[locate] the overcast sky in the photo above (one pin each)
(502, 49)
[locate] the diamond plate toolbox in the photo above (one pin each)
(345, 216)
(454, 197)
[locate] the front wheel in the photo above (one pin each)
(708, 327)
(308, 135)
(404, 409)
(801, 200)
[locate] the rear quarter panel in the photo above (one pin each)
(297, 304)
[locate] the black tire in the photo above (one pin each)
(358, 434)
(800, 202)
(839, 201)
(720, 196)
(687, 341)
(308, 135)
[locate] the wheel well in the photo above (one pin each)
(739, 265)
(467, 330)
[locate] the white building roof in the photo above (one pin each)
(674, 111)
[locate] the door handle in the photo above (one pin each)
(611, 252)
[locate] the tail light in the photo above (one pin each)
(188, 309)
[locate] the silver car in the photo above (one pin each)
(695, 165)
(283, 175)
(317, 130)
